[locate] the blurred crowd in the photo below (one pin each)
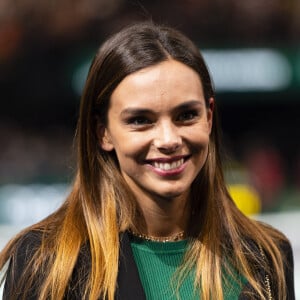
(41, 42)
(64, 22)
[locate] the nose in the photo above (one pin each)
(167, 137)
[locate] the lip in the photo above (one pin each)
(174, 165)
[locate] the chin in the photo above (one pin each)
(172, 194)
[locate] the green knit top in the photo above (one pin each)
(157, 263)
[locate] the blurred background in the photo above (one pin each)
(252, 49)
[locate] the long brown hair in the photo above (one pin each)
(100, 205)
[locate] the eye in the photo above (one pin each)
(139, 121)
(188, 115)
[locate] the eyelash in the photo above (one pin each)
(189, 115)
(143, 121)
(139, 121)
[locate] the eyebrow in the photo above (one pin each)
(189, 104)
(140, 111)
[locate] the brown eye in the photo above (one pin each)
(187, 116)
(139, 121)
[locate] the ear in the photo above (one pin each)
(210, 112)
(104, 137)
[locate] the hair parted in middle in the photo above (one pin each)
(132, 49)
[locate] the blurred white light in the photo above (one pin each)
(248, 69)
(23, 205)
(239, 70)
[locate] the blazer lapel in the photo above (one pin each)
(129, 283)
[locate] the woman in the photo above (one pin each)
(149, 215)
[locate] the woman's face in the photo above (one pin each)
(159, 127)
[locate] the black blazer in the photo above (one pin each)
(129, 286)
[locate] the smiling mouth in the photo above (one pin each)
(168, 166)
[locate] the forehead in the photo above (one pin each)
(165, 83)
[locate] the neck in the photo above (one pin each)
(163, 217)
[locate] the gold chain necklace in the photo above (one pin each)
(173, 238)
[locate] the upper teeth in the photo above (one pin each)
(169, 166)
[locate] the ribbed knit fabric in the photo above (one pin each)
(157, 262)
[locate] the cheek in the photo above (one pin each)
(199, 136)
(199, 147)
(131, 146)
